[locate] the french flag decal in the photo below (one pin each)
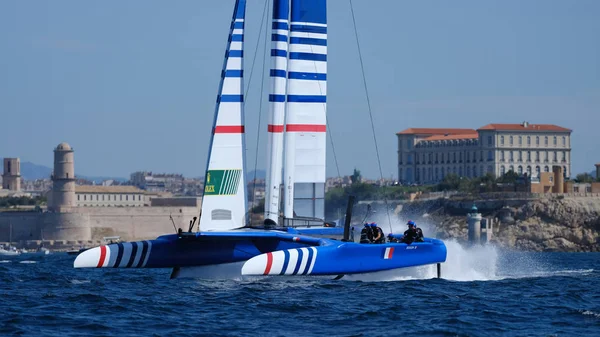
(389, 252)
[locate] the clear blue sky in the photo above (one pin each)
(131, 85)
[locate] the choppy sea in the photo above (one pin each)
(484, 291)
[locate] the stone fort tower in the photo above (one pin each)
(11, 178)
(63, 178)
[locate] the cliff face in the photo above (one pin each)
(547, 224)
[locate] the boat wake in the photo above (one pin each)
(466, 263)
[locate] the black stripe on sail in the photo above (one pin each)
(119, 255)
(133, 253)
(144, 252)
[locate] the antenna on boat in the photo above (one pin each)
(192, 222)
(348, 218)
(173, 221)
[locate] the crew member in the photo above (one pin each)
(392, 239)
(366, 234)
(378, 236)
(412, 234)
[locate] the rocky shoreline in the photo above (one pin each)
(552, 224)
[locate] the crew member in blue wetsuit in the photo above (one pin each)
(378, 236)
(366, 234)
(412, 234)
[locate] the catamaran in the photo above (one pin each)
(297, 242)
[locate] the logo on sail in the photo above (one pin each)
(222, 182)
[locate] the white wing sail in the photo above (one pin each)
(224, 200)
(277, 99)
(305, 121)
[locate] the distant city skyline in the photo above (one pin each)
(132, 86)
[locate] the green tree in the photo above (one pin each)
(584, 178)
(356, 177)
(509, 177)
(451, 182)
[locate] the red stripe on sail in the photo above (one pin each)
(269, 263)
(102, 256)
(229, 129)
(275, 128)
(305, 128)
(391, 253)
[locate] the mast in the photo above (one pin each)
(278, 74)
(224, 200)
(305, 142)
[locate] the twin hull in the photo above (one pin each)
(264, 254)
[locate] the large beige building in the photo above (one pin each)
(426, 155)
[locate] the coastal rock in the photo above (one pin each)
(553, 223)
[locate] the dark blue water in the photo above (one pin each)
(487, 293)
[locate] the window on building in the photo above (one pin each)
(537, 170)
(97, 197)
(554, 141)
(409, 159)
(555, 157)
(564, 141)
(501, 140)
(460, 171)
(565, 172)
(85, 197)
(528, 155)
(537, 156)
(490, 156)
(528, 140)
(511, 168)
(520, 170)
(502, 170)
(529, 171)
(546, 140)
(520, 156)
(511, 140)
(501, 155)
(520, 140)
(537, 140)
(120, 197)
(512, 156)
(490, 140)
(546, 168)
(78, 197)
(469, 171)
(102, 197)
(126, 198)
(460, 158)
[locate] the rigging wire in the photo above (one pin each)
(337, 166)
(262, 22)
(262, 83)
(362, 69)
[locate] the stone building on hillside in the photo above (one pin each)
(84, 214)
(11, 178)
(426, 155)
